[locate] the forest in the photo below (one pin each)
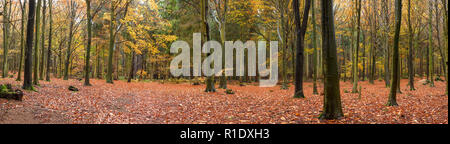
(111, 61)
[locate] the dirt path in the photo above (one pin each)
(150, 103)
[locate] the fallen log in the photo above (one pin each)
(7, 92)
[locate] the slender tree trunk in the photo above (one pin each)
(89, 42)
(300, 29)
(205, 37)
(6, 24)
(223, 78)
(131, 74)
(41, 69)
(332, 108)
(356, 53)
(398, 19)
(36, 45)
(69, 47)
(430, 46)
(22, 41)
(27, 83)
(49, 50)
(314, 41)
(410, 56)
(109, 77)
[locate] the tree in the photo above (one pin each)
(89, 42)
(205, 37)
(36, 45)
(109, 78)
(430, 45)
(220, 16)
(314, 41)
(356, 52)
(49, 50)
(395, 57)
(300, 30)
(386, 27)
(27, 83)
(6, 26)
(72, 15)
(332, 108)
(410, 53)
(41, 69)
(113, 30)
(22, 39)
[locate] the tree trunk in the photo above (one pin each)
(358, 29)
(314, 41)
(72, 19)
(109, 77)
(410, 55)
(205, 37)
(300, 29)
(27, 83)
(41, 68)
(430, 46)
(6, 24)
(36, 45)
(89, 42)
(332, 108)
(49, 50)
(395, 57)
(131, 74)
(22, 41)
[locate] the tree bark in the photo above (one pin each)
(395, 57)
(356, 52)
(89, 43)
(332, 108)
(49, 50)
(27, 83)
(22, 40)
(109, 77)
(300, 29)
(410, 55)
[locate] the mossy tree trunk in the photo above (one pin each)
(395, 57)
(314, 41)
(332, 108)
(356, 52)
(410, 54)
(49, 50)
(109, 77)
(36, 45)
(41, 68)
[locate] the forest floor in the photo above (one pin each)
(155, 103)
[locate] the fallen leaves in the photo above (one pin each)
(137, 103)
